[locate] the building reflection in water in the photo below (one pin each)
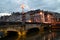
(50, 36)
(37, 36)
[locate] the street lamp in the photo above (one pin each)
(22, 7)
(23, 19)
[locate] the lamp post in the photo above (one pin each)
(22, 7)
(23, 20)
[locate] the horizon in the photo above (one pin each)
(7, 14)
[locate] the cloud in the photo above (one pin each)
(4, 14)
(14, 5)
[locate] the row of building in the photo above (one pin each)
(39, 16)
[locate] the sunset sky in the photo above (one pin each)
(14, 5)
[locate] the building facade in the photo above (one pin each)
(39, 16)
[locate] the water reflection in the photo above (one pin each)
(50, 36)
(36, 36)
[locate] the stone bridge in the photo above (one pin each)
(21, 29)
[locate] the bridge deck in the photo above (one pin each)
(13, 23)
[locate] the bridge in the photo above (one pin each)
(21, 28)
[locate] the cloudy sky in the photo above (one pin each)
(14, 5)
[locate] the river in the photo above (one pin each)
(46, 35)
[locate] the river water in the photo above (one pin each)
(46, 35)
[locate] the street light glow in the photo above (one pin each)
(22, 6)
(29, 21)
(40, 13)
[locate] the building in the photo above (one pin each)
(39, 16)
(15, 17)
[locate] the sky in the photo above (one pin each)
(5, 14)
(15, 5)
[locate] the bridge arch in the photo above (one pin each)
(32, 30)
(12, 33)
